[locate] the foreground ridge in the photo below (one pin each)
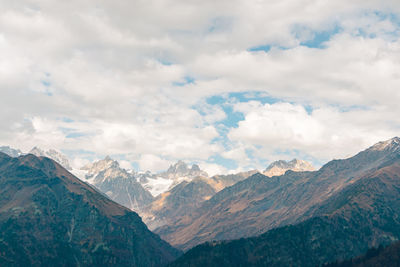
(48, 217)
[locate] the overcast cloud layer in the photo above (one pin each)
(231, 85)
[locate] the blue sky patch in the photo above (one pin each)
(227, 163)
(265, 48)
(320, 38)
(75, 135)
(187, 80)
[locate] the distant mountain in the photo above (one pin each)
(177, 173)
(177, 202)
(10, 151)
(117, 183)
(219, 182)
(48, 217)
(257, 204)
(181, 169)
(185, 197)
(364, 214)
(52, 154)
(279, 167)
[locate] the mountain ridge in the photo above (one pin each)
(259, 203)
(50, 217)
(363, 215)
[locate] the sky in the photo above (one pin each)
(230, 85)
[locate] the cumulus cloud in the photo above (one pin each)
(323, 133)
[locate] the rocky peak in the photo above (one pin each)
(181, 169)
(281, 166)
(52, 154)
(106, 168)
(195, 167)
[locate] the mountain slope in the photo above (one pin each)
(365, 214)
(179, 201)
(219, 182)
(259, 203)
(120, 185)
(375, 257)
(48, 217)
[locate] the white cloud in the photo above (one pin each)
(324, 133)
(110, 67)
(212, 168)
(154, 163)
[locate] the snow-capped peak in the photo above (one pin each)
(176, 173)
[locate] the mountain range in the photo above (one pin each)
(182, 189)
(288, 215)
(259, 203)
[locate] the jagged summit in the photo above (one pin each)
(181, 169)
(52, 154)
(281, 166)
(195, 167)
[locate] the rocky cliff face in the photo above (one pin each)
(48, 217)
(259, 203)
(117, 183)
(364, 214)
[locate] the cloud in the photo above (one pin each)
(154, 163)
(119, 72)
(323, 133)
